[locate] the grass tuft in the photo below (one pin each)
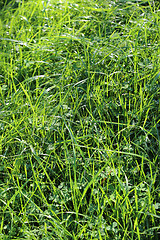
(79, 120)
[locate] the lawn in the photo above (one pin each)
(80, 120)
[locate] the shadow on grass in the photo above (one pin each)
(10, 3)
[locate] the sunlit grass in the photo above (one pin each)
(79, 120)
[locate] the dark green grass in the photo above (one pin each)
(79, 120)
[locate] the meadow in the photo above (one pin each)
(80, 120)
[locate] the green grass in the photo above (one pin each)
(80, 120)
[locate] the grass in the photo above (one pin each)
(79, 120)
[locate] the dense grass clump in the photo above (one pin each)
(79, 120)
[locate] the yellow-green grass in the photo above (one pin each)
(79, 120)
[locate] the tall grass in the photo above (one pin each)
(79, 120)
